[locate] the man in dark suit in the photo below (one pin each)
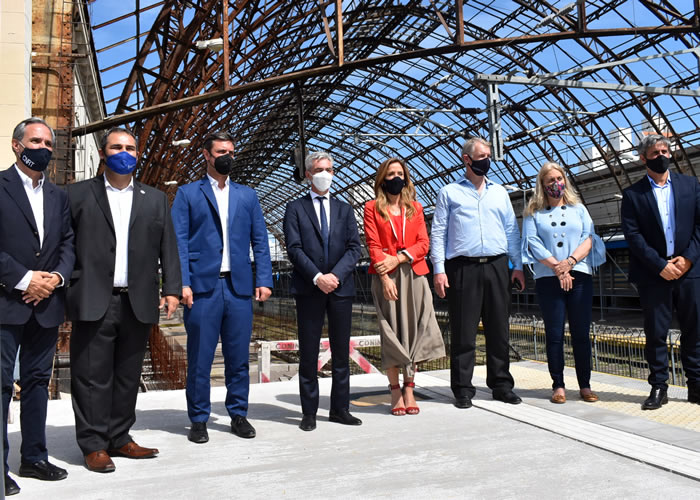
(36, 256)
(122, 230)
(323, 246)
(216, 223)
(661, 222)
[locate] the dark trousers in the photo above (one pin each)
(106, 361)
(479, 291)
(35, 362)
(658, 302)
(556, 305)
(218, 313)
(311, 312)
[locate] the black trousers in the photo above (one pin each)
(311, 312)
(658, 303)
(38, 346)
(478, 291)
(106, 361)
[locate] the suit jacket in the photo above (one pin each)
(302, 234)
(20, 251)
(151, 238)
(381, 237)
(641, 223)
(200, 238)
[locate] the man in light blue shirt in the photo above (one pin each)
(474, 233)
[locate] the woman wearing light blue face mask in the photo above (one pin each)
(560, 244)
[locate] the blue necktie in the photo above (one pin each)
(324, 229)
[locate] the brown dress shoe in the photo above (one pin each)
(99, 461)
(590, 397)
(132, 450)
(558, 399)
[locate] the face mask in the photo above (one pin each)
(393, 186)
(36, 159)
(121, 163)
(659, 164)
(223, 164)
(555, 189)
(322, 181)
(481, 167)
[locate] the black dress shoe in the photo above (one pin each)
(656, 399)
(241, 427)
(463, 402)
(343, 417)
(507, 397)
(44, 470)
(198, 433)
(694, 394)
(308, 423)
(11, 487)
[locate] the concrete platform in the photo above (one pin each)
(493, 450)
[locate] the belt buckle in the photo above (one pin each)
(483, 260)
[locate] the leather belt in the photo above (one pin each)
(478, 260)
(225, 275)
(119, 290)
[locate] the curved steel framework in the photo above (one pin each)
(398, 78)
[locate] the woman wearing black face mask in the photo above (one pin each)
(398, 242)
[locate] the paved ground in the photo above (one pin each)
(534, 450)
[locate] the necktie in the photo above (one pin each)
(324, 229)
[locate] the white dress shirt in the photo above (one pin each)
(221, 196)
(120, 201)
(36, 201)
(325, 199)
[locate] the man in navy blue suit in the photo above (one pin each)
(661, 222)
(36, 259)
(323, 246)
(216, 223)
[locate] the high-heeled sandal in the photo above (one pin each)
(400, 411)
(411, 410)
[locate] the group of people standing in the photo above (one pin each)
(113, 253)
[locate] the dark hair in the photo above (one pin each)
(20, 129)
(115, 130)
(217, 136)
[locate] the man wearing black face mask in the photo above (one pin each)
(661, 222)
(216, 222)
(36, 257)
(474, 234)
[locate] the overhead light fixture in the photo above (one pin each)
(170, 183)
(561, 12)
(215, 44)
(181, 143)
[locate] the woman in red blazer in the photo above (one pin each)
(398, 242)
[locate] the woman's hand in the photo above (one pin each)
(566, 281)
(389, 263)
(562, 267)
(389, 289)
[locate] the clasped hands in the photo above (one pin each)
(40, 287)
(675, 268)
(562, 270)
(383, 268)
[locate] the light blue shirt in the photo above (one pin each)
(468, 224)
(667, 211)
(557, 232)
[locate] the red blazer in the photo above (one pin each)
(380, 238)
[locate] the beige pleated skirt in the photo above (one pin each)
(408, 327)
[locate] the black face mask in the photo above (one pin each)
(480, 167)
(36, 159)
(393, 186)
(223, 164)
(659, 164)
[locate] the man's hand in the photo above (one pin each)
(389, 289)
(441, 284)
(389, 263)
(187, 297)
(682, 264)
(170, 302)
(518, 276)
(262, 293)
(671, 272)
(327, 282)
(40, 287)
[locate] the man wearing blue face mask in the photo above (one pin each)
(323, 246)
(36, 259)
(474, 234)
(123, 232)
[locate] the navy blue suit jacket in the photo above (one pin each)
(20, 251)
(302, 234)
(641, 224)
(199, 238)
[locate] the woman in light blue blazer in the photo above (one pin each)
(561, 247)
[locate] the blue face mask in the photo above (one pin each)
(121, 163)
